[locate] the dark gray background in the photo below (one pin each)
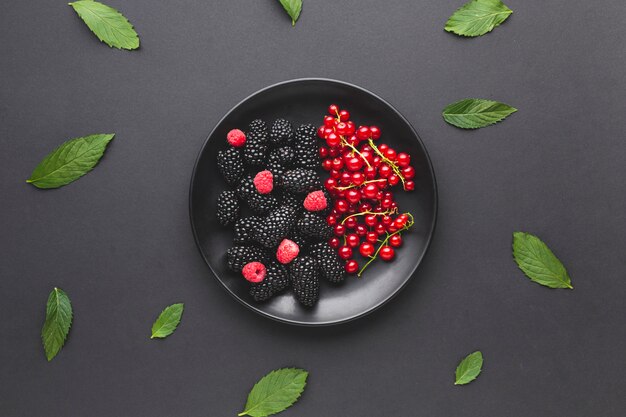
(119, 240)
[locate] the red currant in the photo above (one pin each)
(331, 219)
(352, 267)
(327, 164)
(363, 133)
(371, 237)
(353, 196)
(344, 115)
(370, 172)
(375, 130)
(371, 220)
(321, 132)
(361, 230)
(354, 163)
(387, 253)
(341, 206)
(353, 240)
(370, 191)
(390, 154)
(330, 184)
(395, 241)
(393, 179)
(404, 159)
(323, 152)
(333, 242)
(329, 121)
(340, 230)
(350, 222)
(366, 249)
(345, 252)
(358, 178)
(384, 170)
(333, 110)
(409, 172)
(409, 185)
(333, 140)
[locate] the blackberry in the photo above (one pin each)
(305, 280)
(255, 149)
(227, 207)
(314, 226)
(246, 188)
(281, 133)
(257, 132)
(276, 280)
(259, 203)
(294, 201)
(238, 256)
(300, 180)
(328, 261)
(279, 160)
(230, 164)
(262, 203)
(306, 147)
(254, 153)
(296, 236)
(275, 226)
(244, 229)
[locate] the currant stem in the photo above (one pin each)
(347, 187)
(396, 168)
(406, 226)
(364, 213)
(344, 142)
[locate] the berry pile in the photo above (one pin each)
(277, 208)
(363, 174)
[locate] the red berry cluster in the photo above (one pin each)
(365, 216)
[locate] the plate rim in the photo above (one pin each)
(374, 307)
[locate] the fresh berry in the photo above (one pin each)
(238, 256)
(315, 201)
(255, 149)
(264, 182)
(305, 280)
(254, 272)
(287, 251)
(254, 153)
(300, 180)
(276, 280)
(227, 207)
(352, 266)
(281, 132)
(387, 253)
(275, 226)
(395, 241)
(244, 229)
(331, 267)
(236, 138)
(366, 249)
(262, 203)
(314, 226)
(230, 164)
(305, 147)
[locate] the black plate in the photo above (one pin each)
(306, 101)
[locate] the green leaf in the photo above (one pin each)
(293, 9)
(57, 324)
(477, 17)
(469, 368)
(70, 161)
(109, 25)
(275, 392)
(538, 262)
(167, 321)
(473, 113)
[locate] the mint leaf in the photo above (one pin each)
(58, 322)
(473, 113)
(70, 161)
(293, 9)
(109, 25)
(538, 262)
(477, 17)
(167, 321)
(275, 392)
(469, 368)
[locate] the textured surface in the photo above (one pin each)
(119, 242)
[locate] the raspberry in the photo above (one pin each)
(287, 251)
(315, 201)
(254, 272)
(264, 182)
(236, 138)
